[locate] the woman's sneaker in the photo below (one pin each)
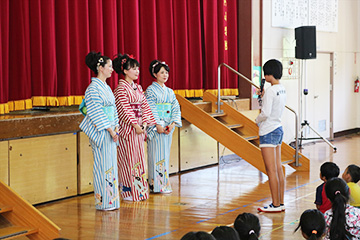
(270, 209)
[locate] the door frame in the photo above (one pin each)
(332, 74)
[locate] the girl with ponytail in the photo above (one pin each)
(312, 224)
(342, 220)
(248, 226)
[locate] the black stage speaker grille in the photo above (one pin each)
(305, 42)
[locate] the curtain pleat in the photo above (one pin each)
(165, 38)
(44, 44)
(19, 54)
(148, 45)
(4, 56)
(181, 45)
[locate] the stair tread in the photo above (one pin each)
(5, 209)
(215, 114)
(15, 231)
(288, 161)
(234, 125)
(251, 137)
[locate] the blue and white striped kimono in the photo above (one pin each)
(101, 114)
(165, 109)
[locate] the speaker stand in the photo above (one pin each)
(307, 124)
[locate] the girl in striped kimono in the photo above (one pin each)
(101, 126)
(166, 111)
(134, 115)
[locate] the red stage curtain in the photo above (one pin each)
(44, 44)
(4, 55)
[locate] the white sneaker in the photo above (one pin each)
(270, 209)
(282, 206)
(109, 209)
(129, 198)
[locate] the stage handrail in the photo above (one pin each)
(253, 84)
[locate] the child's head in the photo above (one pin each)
(329, 170)
(247, 225)
(273, 67)
(225, 233)
(312, 224)
(351, 174)
(337, 191)
(198, 236)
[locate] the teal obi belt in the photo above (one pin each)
(164, 110)
(109, 112)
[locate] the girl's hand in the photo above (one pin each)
(169, 128)
(138, 129)
(159, 128)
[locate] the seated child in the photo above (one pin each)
(342, 220)
(328, 170)
(248, 226)
(312, 224)
(225, 233)
(351, 176)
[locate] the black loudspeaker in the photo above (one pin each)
(305, 42)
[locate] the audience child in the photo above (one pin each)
(225, 233)
(351, 176)
(312, 224)
(248, 226)
(328, 170)
(198, 236)
(342, 220)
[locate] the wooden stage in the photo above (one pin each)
(203, 199)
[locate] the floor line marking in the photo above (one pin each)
(260, 200)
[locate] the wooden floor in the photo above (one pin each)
(203, 199)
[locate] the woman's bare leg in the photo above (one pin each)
(280, 174)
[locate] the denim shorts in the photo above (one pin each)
(272, 139)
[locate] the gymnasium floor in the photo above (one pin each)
(203, 199)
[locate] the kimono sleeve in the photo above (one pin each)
(175, 109)
(124, 110)
(95, 109)
(151, 100)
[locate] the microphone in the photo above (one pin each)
(262, 83)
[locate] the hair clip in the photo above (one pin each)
(314, 232)
(251, 232)
(153, 67)
(337, 192)
(131, 56)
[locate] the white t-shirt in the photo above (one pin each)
(269, 118)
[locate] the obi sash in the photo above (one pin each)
(109, 112)
(164, 110)
(136, 107)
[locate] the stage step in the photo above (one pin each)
(232, 126)
(4, 209)
(249, 138)
(215, 114)
(12, 232)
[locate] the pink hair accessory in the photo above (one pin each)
(337, 192)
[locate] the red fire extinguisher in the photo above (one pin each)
(357, 85)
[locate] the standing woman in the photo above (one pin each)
(271, 134)
(134, 115)
(166, 111)
(101, 126)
